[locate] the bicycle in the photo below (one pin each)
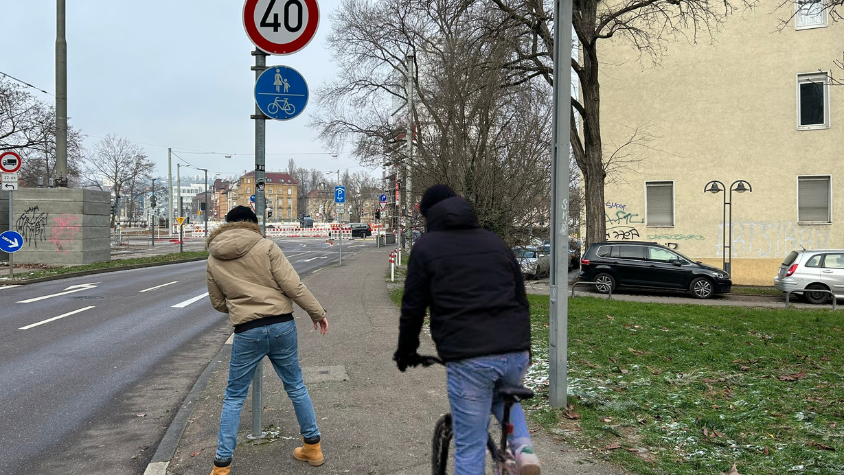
(284, 106)
(504, 462)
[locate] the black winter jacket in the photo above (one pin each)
(472, 283)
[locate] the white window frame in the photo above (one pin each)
(829, 199)
(290, 190)
(673, 206)
(804, 78)
(800, 24)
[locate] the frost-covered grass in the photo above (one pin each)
(687, 389)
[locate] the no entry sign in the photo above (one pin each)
(280, 26)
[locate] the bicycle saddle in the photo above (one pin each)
(515, 392)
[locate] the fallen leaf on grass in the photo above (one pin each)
(611, 447)
(792, 377)
(733, 471)
(570, 414)
(195, 453)
(821, 446)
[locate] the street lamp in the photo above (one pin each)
(739, 186)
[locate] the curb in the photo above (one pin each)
(69, 275)
(170, 442)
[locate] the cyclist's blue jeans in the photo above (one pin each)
(472, 384)
(279, 343)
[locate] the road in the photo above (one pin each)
(94, 368)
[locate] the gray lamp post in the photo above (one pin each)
(739, 186)
(206, 199)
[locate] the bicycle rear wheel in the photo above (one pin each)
(442, 450)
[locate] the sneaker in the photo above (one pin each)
(527, 461)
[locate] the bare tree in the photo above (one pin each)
(489, 143)
(118, 166)
(20, 115)
(39, 159)
(647, 25)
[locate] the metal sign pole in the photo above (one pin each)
(260, 151)
(558, 312)
(11, 222)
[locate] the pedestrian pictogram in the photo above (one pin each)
(280, 26)
(10, 162)
(281, 92)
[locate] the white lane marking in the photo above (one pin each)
(55, 318)
(314, 258)
(76, 288)
(188, 302)
(8, 286)
(157, 287)
(230, 340)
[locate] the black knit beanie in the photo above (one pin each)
(241, 213)
(434, 195)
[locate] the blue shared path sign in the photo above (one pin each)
(339, 194)
(281, 92)
(252, 199)
(10, 242)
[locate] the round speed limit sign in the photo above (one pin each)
(280, 26)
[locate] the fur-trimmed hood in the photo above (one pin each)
(233, 240)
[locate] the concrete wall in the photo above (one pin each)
(59, 226)
(724, 111)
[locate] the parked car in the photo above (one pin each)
(821, 269)
(361, 230)
(534, 262)
(574, 253)
(649, 265)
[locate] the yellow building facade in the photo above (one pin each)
(758, 105)
(280, 190)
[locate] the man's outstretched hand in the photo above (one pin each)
(321, 325)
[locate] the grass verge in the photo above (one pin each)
(665, 389)
(113, 264)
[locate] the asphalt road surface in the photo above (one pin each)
(93, 369)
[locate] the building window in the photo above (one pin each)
(810, 14)
(289, 201)
(248, 180)
(814, 198)
(249, 189)
(269, 180)
(813, 101)
(290, 190)
(269, 191)
(659, 203)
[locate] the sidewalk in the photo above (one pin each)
(374, 419)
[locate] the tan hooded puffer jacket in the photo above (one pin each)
(250, 278)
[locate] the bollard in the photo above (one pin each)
(257, 402)
(398, 253)
(392, 268)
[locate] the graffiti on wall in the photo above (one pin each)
(622, 233)
(772, 240)
(32, 226)
(677, 237)
(621, 224)
(64, 231)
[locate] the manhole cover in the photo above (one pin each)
(319, 374)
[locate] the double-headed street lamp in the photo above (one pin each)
(739, 186)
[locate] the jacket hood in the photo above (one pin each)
(452, 213)
(233, 240)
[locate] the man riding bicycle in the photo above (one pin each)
(480, 323)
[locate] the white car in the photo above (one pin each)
(534, 262)
(821, 269)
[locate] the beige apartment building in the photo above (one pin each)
(757, 106)
(280, 190)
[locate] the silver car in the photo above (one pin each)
(821, 269)
(534, 262)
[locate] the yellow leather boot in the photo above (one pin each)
(221, 470)
(311, 453)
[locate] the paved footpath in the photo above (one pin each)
(374, 419)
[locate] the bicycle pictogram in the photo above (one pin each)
(274, 107)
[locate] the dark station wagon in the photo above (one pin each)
(649, 265)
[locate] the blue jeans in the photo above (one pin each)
(472, 387)
(279, 343)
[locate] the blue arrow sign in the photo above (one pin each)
(252, 199)
(339, 194)
(10, 241)
(281, 92)
(383, 198)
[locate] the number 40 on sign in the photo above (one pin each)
(280, 26)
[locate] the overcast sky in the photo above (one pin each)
(167, 73)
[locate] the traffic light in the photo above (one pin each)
(270, 213)
(152, 202)
(377, 214)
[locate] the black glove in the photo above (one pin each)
(404, 359)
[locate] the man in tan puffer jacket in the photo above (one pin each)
(250, 279)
